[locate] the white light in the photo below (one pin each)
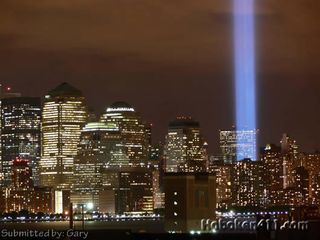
(90, 205)
(120, 110)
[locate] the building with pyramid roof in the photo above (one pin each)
(64, 114)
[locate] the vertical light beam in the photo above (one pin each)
(244, 48)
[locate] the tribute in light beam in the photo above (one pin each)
(244, 47)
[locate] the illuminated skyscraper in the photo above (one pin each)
(135, 191)
(312, 163)
(289, 150)
(64, 115)
(247, 183)
(301, 182)
(222, 172)
(21, 174)
(20, 137)
(129, 190)
(185, 149)
(132, 130)
(237, 145)
(273, 165)
(99, 148)
(289, 146)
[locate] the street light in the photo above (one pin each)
(89, 206)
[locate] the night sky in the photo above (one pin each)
(168, 58)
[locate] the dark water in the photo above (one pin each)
(151, 226)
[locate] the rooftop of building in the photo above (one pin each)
(21, 100)
(65, 89)
(183, 121)
(120, 106)
(100, 126)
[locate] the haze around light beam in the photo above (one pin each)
(245, 73)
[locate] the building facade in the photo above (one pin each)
(64, 115)
(185, 149)
(236, 145)
(100, 147)
(189, 198)
(131, 189)
(20, 135)
(134, 132)
(248, 183)
(223, 173)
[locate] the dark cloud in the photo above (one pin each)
(168, 57)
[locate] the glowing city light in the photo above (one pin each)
(244, 47)
(90, 205)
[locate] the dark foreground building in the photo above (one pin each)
(189, 197)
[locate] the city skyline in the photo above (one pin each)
(160, 119)
(213, 150)
(163, 55)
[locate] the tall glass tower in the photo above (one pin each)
(99, 148)
(133, 131)
(64, 115)
(185, 149)
(20, 135)
(237, 145)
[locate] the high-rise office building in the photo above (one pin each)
(185, 149)
(289, 146)
(247, 183)
(238, 145)
(273, 164)
(290, 155)
(223, 181)
(301, 182)
(291, 178)
(64, 115)
(20, 134)
(100, 147)
(129, 189)
(273, 173)
(21, 174)
(135, 192)
(88, 164)
(312, 164)
(133, 131)
(23, 195)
